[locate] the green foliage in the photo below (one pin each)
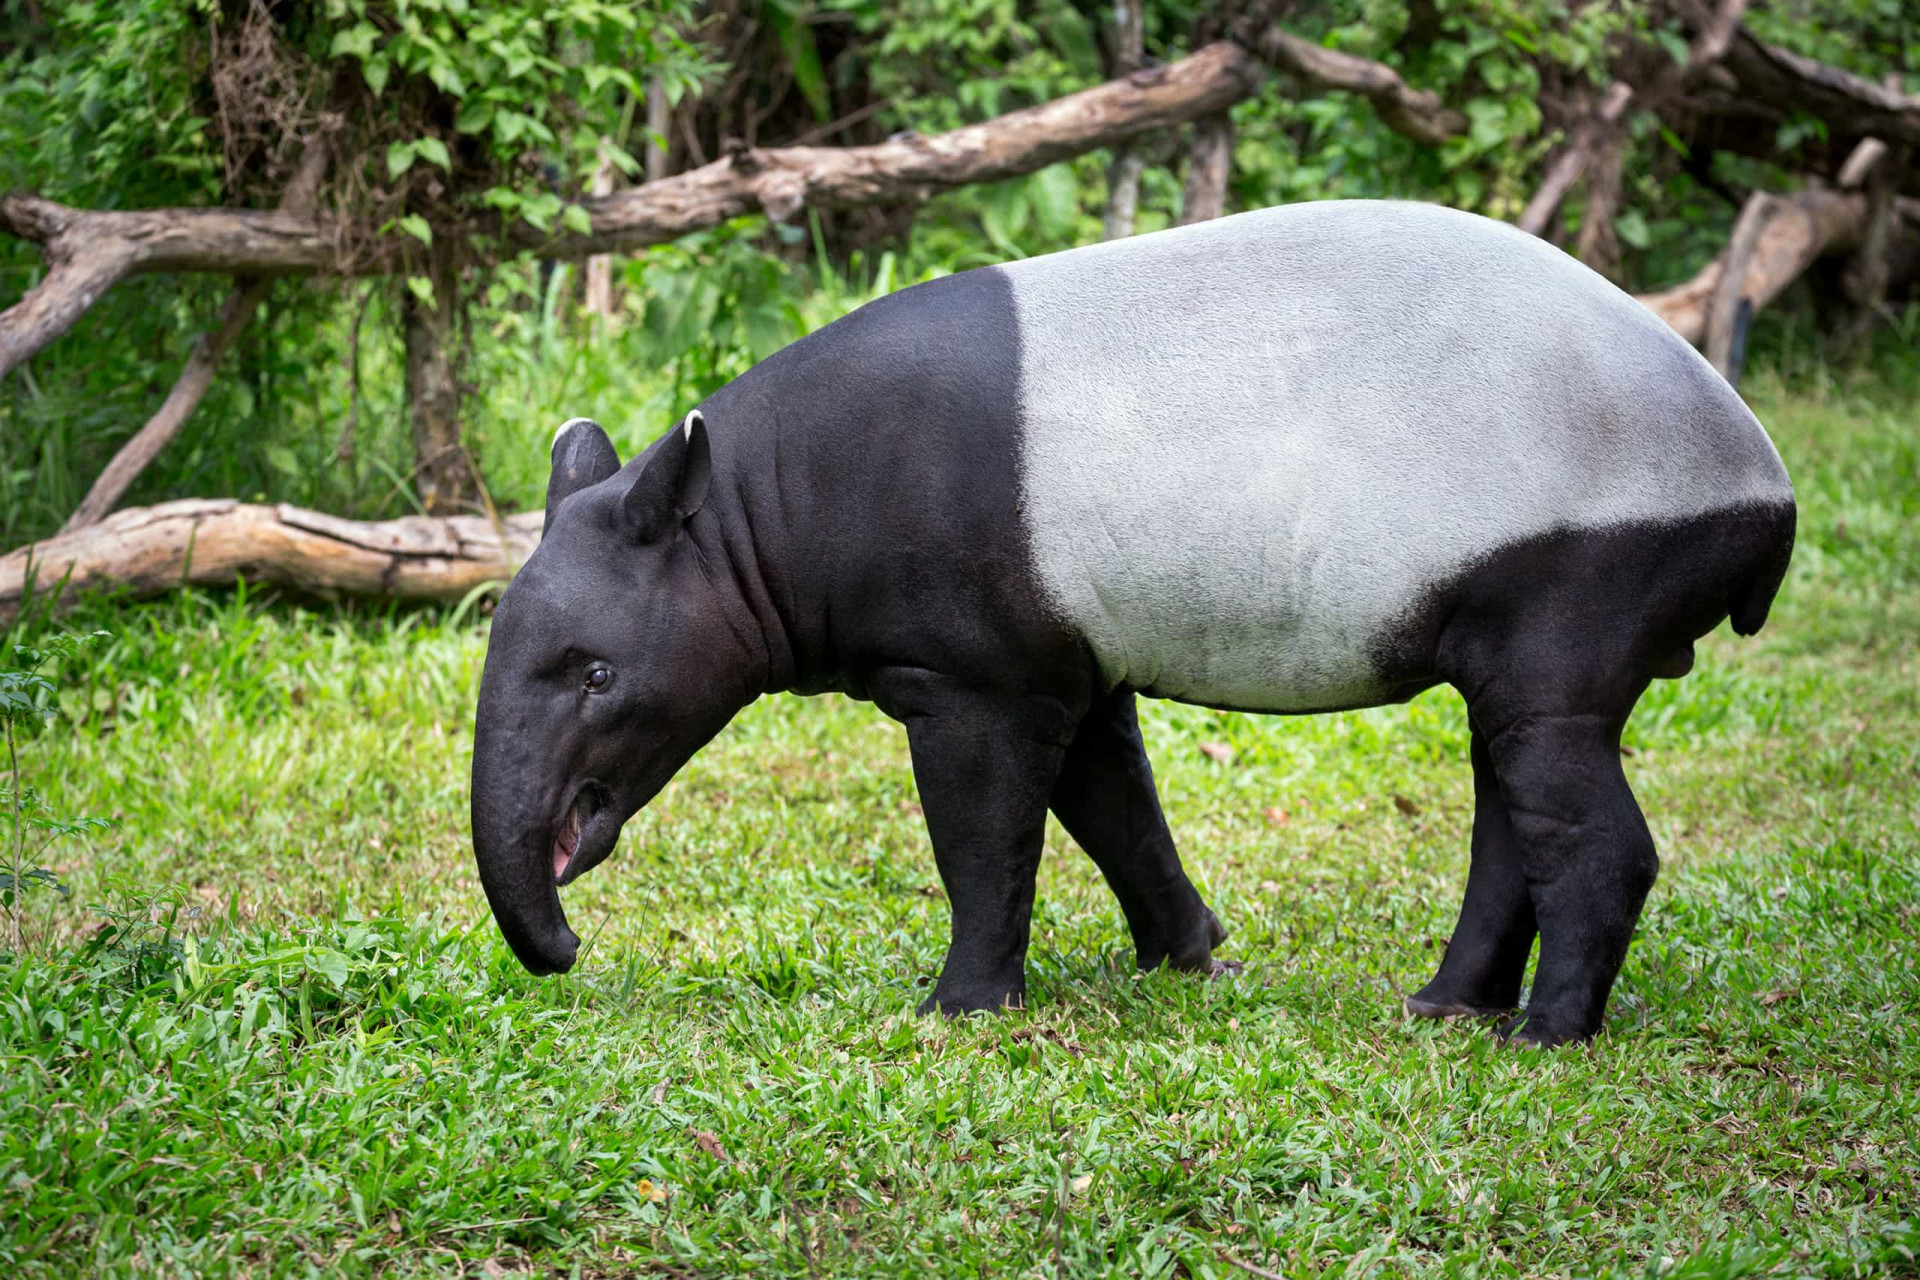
(523, 83)
(104, 104)
(26, 697)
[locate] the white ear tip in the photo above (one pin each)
(693, 417)
(567, 426)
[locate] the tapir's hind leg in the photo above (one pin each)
(1588, 857)
(1106, 800)
(1487, 955)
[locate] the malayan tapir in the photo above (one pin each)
(1304, 459)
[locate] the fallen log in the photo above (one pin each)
(1775, 240)
(145, 551)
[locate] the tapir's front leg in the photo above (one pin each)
(1106, 800)
(985, 764)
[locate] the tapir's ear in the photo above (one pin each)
(582, 455)
(673, 484)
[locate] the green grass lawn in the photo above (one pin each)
(342, 1068)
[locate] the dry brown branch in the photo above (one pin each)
(1783, 236)
(87, 252)
(1595, 134)
(1877, 167)
(146, 444)
(191, 388)
(148, 550)
(1848, 104)
(1417, 113)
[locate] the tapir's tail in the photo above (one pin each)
(1752, 595)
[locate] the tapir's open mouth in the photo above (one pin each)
(566, 839)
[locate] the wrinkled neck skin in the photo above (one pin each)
(866, 505)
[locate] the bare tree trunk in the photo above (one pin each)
(1599, 243)
(599, 273)
(1123, 176)
(1208, 169)
(442, 476)
(1864, 281)
(659, 120)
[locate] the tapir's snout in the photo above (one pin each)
(543, 946)
(516, 871)
(517, 827)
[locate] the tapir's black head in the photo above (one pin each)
(611, 662)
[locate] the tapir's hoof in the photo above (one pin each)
(1425, 1006)
(1196, 954)
(958, 1004)
(1216, 932)
(1523, 1032)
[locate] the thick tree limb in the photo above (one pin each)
(783, 181)
(194, 380)
(1596, 133)
(1776, 239)
(1847, 103)
(88, 252)
(148, 550)
(1417, 113)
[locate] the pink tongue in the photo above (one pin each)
(564, 844)
(561, 856)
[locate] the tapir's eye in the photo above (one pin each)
(599, 676)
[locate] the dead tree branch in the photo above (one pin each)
(88, 252)
(197, 377)
(1847, 103)
(1596, 133)
(1417, 113)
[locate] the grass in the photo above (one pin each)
(337, 1067)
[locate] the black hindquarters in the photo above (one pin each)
(1552, 641)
